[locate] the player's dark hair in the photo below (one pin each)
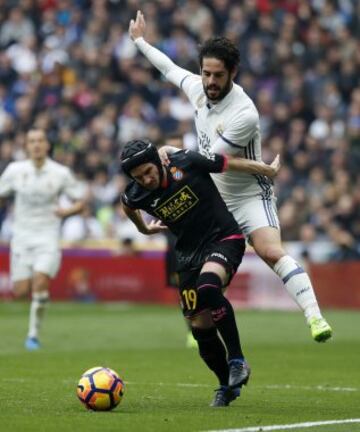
(47, 137)
(37, 129)
(222, 49)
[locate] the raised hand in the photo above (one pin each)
(137, 26)
(164, 157)
(276, 165)
(61, 212)
(155, 227)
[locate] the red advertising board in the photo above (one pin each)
(93, 275)
(337, 284)
(90, 275)
(136, 279)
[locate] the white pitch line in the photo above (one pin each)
(193, 385)
(270, 386)
(288, 426)
(169, 384)
(318, 387)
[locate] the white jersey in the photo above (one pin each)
(36, 198)
(229, 127)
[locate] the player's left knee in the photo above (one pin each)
(40, 284)
(271, 254)
(201, 321)
(209, 290)
(21, 289)
(20, 294)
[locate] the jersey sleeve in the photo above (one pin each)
(7, 181)
(192, 86)
(215, 163)
(73, 188)
(237, 135)
(127, 201)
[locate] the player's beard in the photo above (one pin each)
(222, 92)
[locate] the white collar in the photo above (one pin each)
(43, 168)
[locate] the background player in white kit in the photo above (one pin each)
(35, 258)
(227, 122)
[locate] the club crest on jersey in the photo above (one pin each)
(177, 173)
(220, 129)
(200, 102)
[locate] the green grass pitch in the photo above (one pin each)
(294, 379)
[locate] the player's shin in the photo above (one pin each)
(212, 351)
(209, 288)
(298, 285)
(39, 303)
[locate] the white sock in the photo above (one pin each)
(298, 285)
(37, 309)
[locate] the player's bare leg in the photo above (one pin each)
(21, 288)
(267, 244)
(39, 301)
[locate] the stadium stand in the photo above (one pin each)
(70, 67)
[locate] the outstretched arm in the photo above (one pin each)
(136, 217)
(217, 163)
(76, 207)
(253, 167)
(167, 67)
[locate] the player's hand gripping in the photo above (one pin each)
(164, 155)
(137, 26)
(272, 169)
(61, 213)
(155, 227)
(275, 166)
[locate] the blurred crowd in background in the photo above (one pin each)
(68, 66)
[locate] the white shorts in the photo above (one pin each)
(24, 262)
(256, 212)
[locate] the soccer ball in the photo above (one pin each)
(100, 389)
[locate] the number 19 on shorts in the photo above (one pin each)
(189, 299)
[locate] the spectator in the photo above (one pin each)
(71, 68)
(16, 28)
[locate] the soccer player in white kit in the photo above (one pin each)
(35, 253)
(227, 122)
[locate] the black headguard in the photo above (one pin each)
(138, 152)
